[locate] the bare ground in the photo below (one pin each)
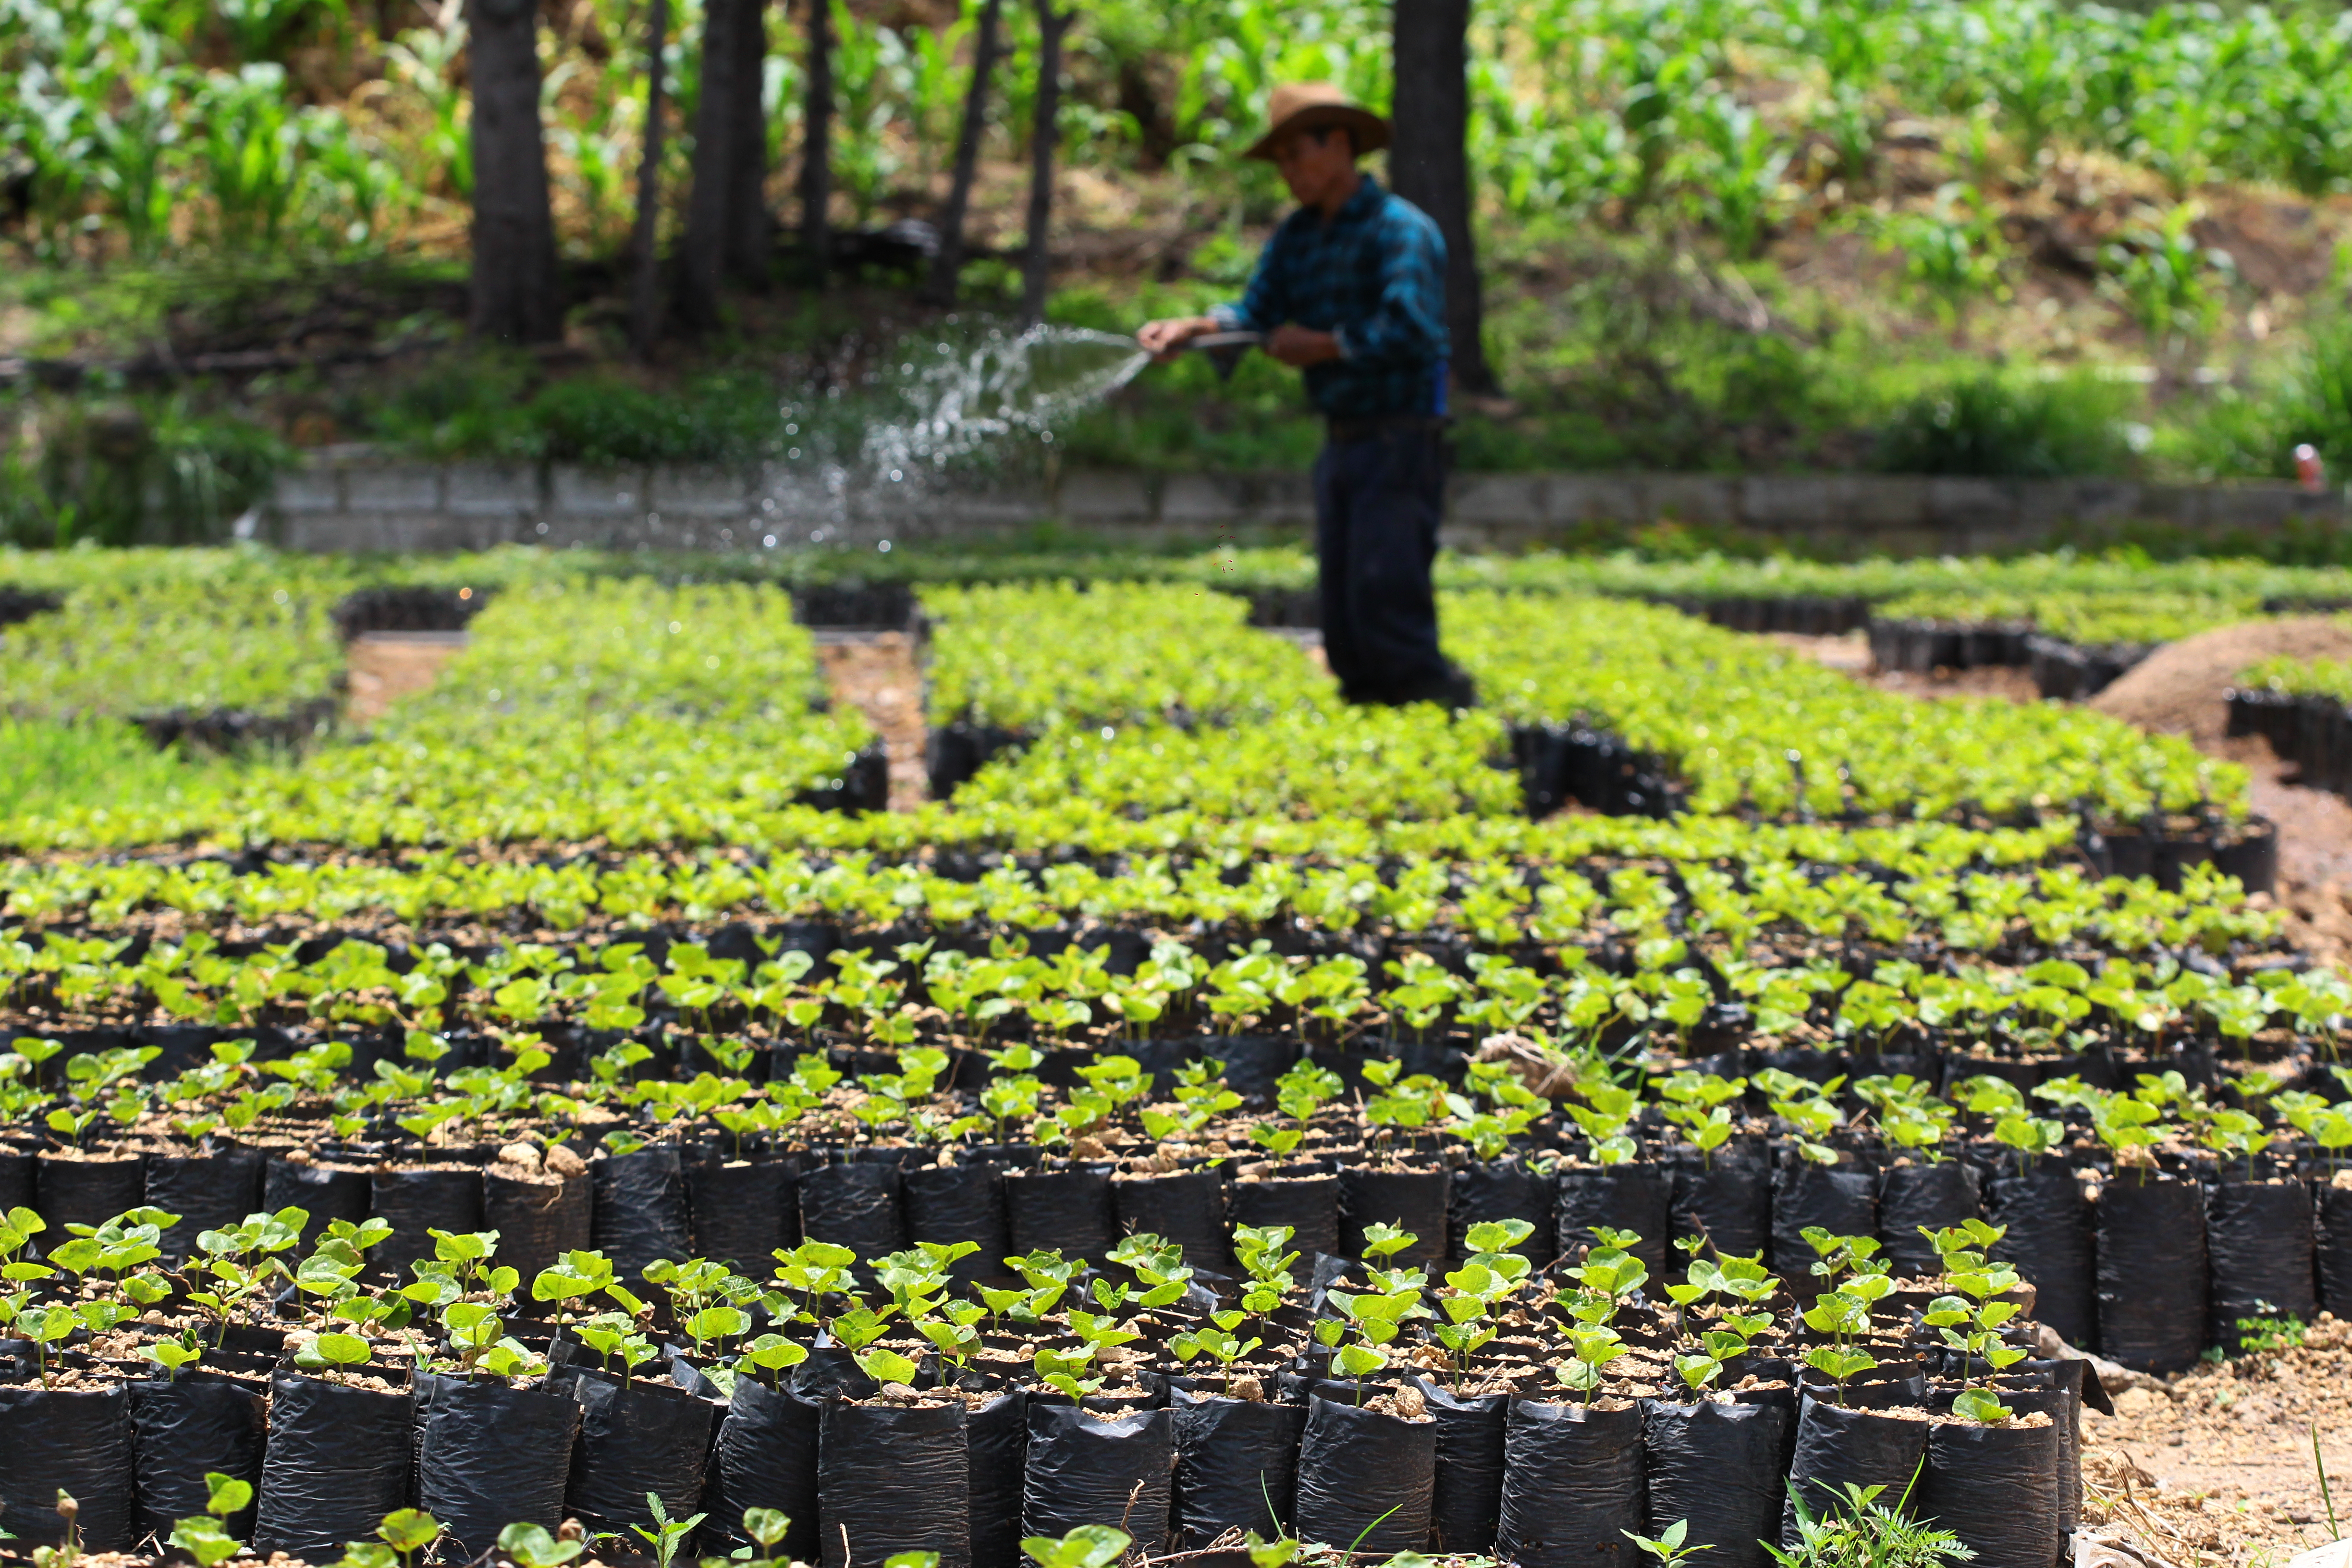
(2214, 1467)
(877, 673)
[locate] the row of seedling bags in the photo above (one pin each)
(2150, 1266)
(867, 1454)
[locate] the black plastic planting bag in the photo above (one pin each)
(1309, 1206)
(1065, 1210)
(19, 1182)
(997, 1439)
(640, 1209)
(855, 1207)
(1840, 1444)
(2152, 1273)
(88, 1192)
(892, 1479)
(338, 1461)
(492, 1456)
(1084, 1469)
(2050, 1240)
(325, 1193)
(960, 1203)
(1502, 1189)
(418, 1201)
(647, 1436)
(2057, 1393)
(77, 1440)
(538, 1218)
(1234, 1459)
(2259, 1235)
(1718, 1465)
(1574, 1481)
(1365, 1474)
(1728, 1201)
(765, 1457)
(743, 1212)
(183, 1429)
(1841, 1200)
(1413, 1200)
(1469, 1491)
(1938, 1196)
(1998, 1488)
(1636, 1195)
(1187, 1207)
(208, 1191)
(2333, 1243)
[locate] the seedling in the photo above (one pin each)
(332, 1352)
(206, 1537)
(1087, 1546)
(408, 1531)
(766, 1527)
(668, 1533)
(67, 1553)
(531, 1546)
(1975, 1329)
(1668, 1548)
(1216, 1339)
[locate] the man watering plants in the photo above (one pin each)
(1351, 290)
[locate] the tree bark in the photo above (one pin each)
(516, 287)
(816, 145)
(940, 288)
(644, 289)
(1429, 162)
(1043, 140)
(751, 230)
(703, 252)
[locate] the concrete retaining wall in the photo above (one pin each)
(356, 503)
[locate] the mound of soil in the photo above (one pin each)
(2178, 689)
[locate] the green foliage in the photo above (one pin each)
(1858, 1530)
(1991, 426)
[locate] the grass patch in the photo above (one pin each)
(47, 767)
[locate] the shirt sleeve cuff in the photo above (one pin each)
(1227, 317)
(1339, 338)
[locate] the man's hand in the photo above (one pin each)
(1161, 340)
(1299, 347)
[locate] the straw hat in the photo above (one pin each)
(1310, 106)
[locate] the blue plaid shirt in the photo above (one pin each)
(1375, 277)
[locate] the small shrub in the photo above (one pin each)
(1989, 426)
(608, 422)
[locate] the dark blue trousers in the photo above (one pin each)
(1378, 498)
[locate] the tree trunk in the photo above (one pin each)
(750, 231)
(1044, 138)
(816, 145)
(644, 289)
(703, 253)
(516, 291)
(940, 288)
(1429, 162)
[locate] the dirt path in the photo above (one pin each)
(2213, 1469)
(877, 673)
